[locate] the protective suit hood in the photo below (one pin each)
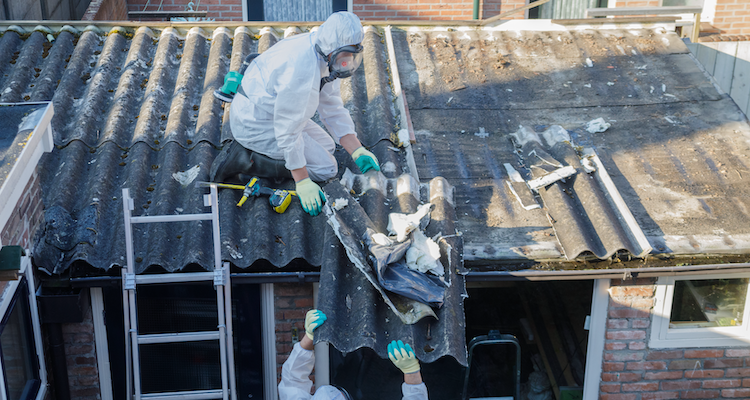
(340, 29)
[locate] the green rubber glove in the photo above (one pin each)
(365, 160)
(403, 357)
(313, 319)
(311, 196)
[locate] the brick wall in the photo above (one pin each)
(291, 303)
(218, 10)
(26, 216)
(106, 10)
(632, 371)
(432, 9)
(83, 375)
(732, 17)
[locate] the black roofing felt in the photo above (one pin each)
(677, 149)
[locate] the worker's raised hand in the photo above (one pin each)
(310, 196)
(403, 357)
(313, 319)
(365, 160)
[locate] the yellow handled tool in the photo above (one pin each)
(278, 198)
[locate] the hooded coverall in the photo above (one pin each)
(280, 92)
(296, 384)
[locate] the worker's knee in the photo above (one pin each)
(320, 174)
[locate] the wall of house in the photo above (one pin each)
(26, 216)
(106, 10)
(432, 9)
(218, 10)
(80, 352)
(291, 303)
(732, 17)
(632, 371)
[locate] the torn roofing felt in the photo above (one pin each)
(135, 107)
(677, 150)
(349, 292)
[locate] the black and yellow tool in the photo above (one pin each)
(279, 198)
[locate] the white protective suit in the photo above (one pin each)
(282, 92)
(296, 384)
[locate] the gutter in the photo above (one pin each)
(474, 276)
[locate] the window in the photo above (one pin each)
(701, 311)
(689, 3)
(20, 365)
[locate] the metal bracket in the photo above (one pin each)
(129, 281)
(219, 277)
(207, 200)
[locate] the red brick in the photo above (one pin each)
(637, 345)
(640, 387)
(704, 373)
(617, 397)
(684, 364)
(630, 291)
(721, 383)
(737, 352)
(642, 304)
(658, 376)
(723, 363)
(613, 366)
(621, 377)
(623, 356)
(615, 346)
(680, 385)
(628, 313)
(735, 393)
(660, 395)
(610, 387)
(704, 353)
(640, 323)
(700, 394)
(646, 365)
(626, 335)
(305, 303)
(737, 372)
(617, 324)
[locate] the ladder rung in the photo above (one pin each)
(192, 395)
(178, 337)
(170, 218)
(174, 278)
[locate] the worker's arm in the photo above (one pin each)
(333, 114)
(403, 358)
(295, 374)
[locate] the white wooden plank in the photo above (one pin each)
(706, 55)
(741, 77)
(724, 70)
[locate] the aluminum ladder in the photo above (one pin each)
(220, 278)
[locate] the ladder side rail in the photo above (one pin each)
(125, 293)
(214, 202)
(230, 334)
(126, 323)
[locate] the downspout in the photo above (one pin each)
(59, 367)
(476, 9)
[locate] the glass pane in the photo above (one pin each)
(707, 303)
(17, 345)
(492, 372)
(171, 308)
(690, 3)
(172, 367)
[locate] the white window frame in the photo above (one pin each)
(663, 337)
(26, 271)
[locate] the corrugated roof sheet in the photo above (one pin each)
(677, 149)
(134, 108)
